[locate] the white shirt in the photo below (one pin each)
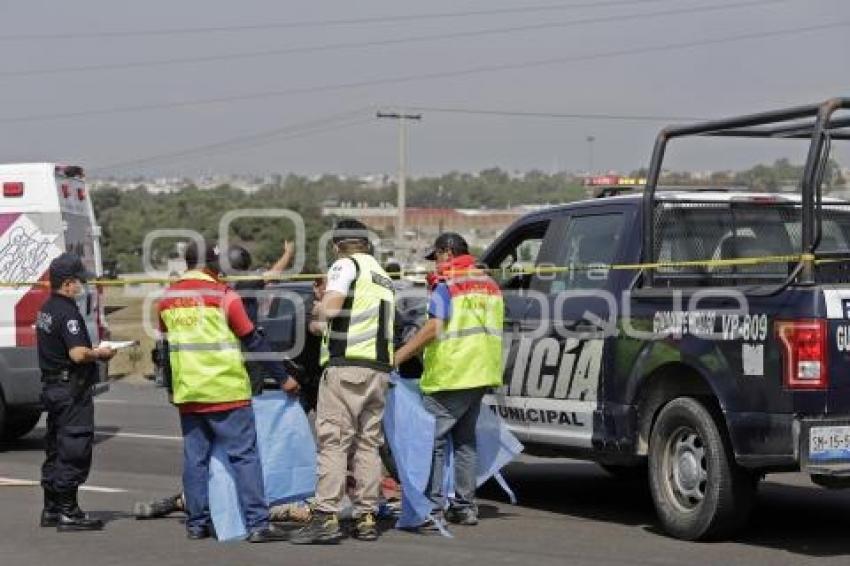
(341, 276)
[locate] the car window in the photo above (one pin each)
(589, 246)
(520, 253)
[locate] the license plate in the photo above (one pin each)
(829, 443)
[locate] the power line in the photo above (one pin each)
(381, 42)
(289, 131)
(196, 152)
(327, 22)
(266, 136)
(427, 76)
(569, 115)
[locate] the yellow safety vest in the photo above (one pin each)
(205, 354)
(468, 352)
(362, 334)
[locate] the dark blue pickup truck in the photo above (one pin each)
(701, 335)
(697, 337)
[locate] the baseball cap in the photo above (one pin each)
(67, 266)
(449, 241)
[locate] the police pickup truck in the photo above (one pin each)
(703, 336)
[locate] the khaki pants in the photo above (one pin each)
(349, 419)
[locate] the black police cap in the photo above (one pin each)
(68, 266)
(448, 241)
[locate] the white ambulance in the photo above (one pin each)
(45, 210)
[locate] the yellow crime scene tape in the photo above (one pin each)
(539, 270)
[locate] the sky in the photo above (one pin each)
(191, 87)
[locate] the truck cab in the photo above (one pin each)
(45, 210)
(699, 336)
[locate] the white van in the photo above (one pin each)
(45, 210)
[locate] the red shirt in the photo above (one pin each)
(215, 293)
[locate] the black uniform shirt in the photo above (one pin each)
(60, 327)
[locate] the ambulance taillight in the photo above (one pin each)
(13, 189)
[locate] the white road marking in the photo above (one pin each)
(14, 482)
(100, 489)
(140, 436)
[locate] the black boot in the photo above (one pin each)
(71, 517)
(50, 513)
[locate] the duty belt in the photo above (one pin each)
(50, 377)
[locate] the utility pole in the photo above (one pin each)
(402, 173)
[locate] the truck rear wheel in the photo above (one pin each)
(19, 422)
(698, 490)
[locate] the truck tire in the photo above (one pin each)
(20, 422)
(698, 490)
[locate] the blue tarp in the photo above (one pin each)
(288, 455)
(409, 429)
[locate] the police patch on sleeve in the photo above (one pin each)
(74, 326)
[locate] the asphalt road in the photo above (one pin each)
(569, 513)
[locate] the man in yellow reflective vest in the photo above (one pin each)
(462, 340)
(356, 307)
(207, 328)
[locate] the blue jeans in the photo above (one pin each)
(235, 431)
(456, 413)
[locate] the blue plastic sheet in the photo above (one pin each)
(409, 429)
(288, 455)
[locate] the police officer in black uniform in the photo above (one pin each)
(68, 369)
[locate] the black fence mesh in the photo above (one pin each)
(710, 231)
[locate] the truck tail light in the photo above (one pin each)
(14, 190)
(66, 191)
(804, 349)
(81, 193)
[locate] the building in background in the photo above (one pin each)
(479, 226)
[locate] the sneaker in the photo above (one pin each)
(271, 533)
(323, 528)
(199, 533)
(366, 528)
(467, 516)
(159, 508)
(434, 524)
